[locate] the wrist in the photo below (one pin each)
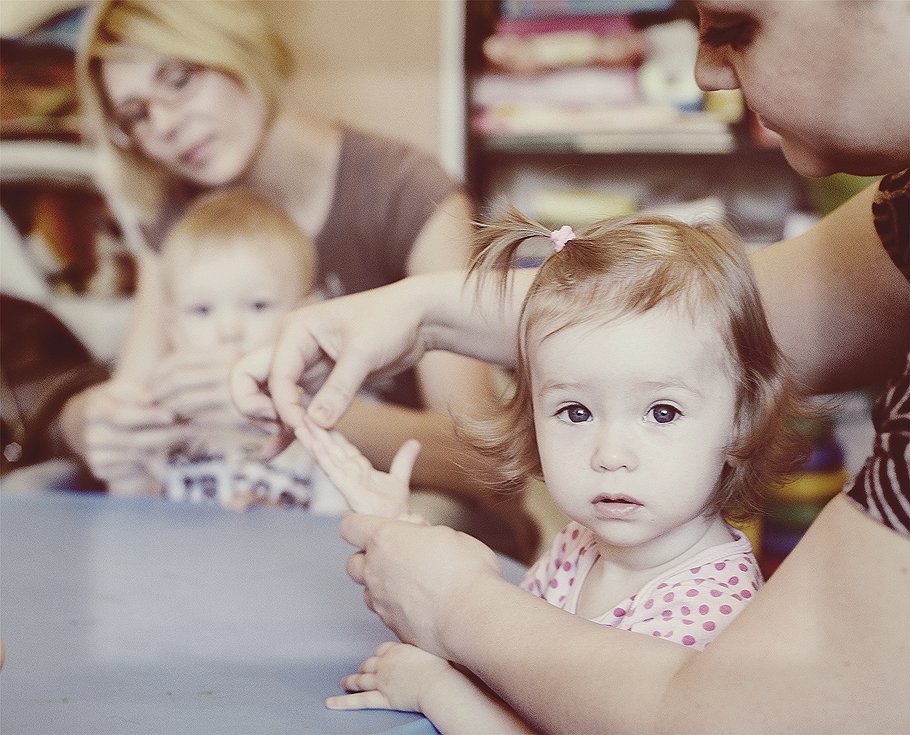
(437, 680)
(438, 299)
(474, 600)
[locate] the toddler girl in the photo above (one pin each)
(652, 399)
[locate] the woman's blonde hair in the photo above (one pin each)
(236, 216)
(232, 37)
(628, 265)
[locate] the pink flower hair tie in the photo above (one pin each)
(562, 237)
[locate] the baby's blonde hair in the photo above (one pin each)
(232, 37)
(628, 265)
(237, 217)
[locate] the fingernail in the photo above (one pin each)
(321, 413)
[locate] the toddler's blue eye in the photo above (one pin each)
(261, 305)
(576, 413)
(664, 413)
(199, 309)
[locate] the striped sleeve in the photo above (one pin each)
(882, 487)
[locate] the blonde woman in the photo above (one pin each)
(183, 97)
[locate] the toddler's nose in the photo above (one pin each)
(230, 330)
(613, 451)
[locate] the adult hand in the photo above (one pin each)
(122, 427)
(326, 350)
(415, 576)
(195, 384)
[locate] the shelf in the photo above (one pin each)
(31, 160)
(626, 142)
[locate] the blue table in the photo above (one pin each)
(143, 616)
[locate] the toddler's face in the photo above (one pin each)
(632, 420)
(234, 296)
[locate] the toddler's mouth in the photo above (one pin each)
(612, 507)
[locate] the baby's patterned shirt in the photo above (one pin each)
(689, 604)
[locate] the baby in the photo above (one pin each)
(651, 398)
(232, 267)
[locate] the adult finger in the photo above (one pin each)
(358, 529)
(128, 416)
(288, 364)
(105, 439)
(354, 566)
(248, 380)
(294, 358)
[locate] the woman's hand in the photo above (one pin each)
(415, 575)
(326, 350)
(122, 427)
(366, 489)
(194, 384)
(395, 677)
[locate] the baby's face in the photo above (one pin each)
(235, 296)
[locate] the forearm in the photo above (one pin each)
(596, 678)
(72, 421)
(460, 317)
(458, 704)
(145, 343)
(837, 305)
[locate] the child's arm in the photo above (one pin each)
(403, 677)
(366, 489)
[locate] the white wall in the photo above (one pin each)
(373, 63)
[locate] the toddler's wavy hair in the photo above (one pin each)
(237, 217)
(628, 265)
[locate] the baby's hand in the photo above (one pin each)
(366, 489)
(393, 678)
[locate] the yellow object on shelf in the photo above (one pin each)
(580, 207)
(727, 105)
(811, 487)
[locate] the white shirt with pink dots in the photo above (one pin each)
(689, 604)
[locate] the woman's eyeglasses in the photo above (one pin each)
(172, 87)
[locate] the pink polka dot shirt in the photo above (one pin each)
(689, 604)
